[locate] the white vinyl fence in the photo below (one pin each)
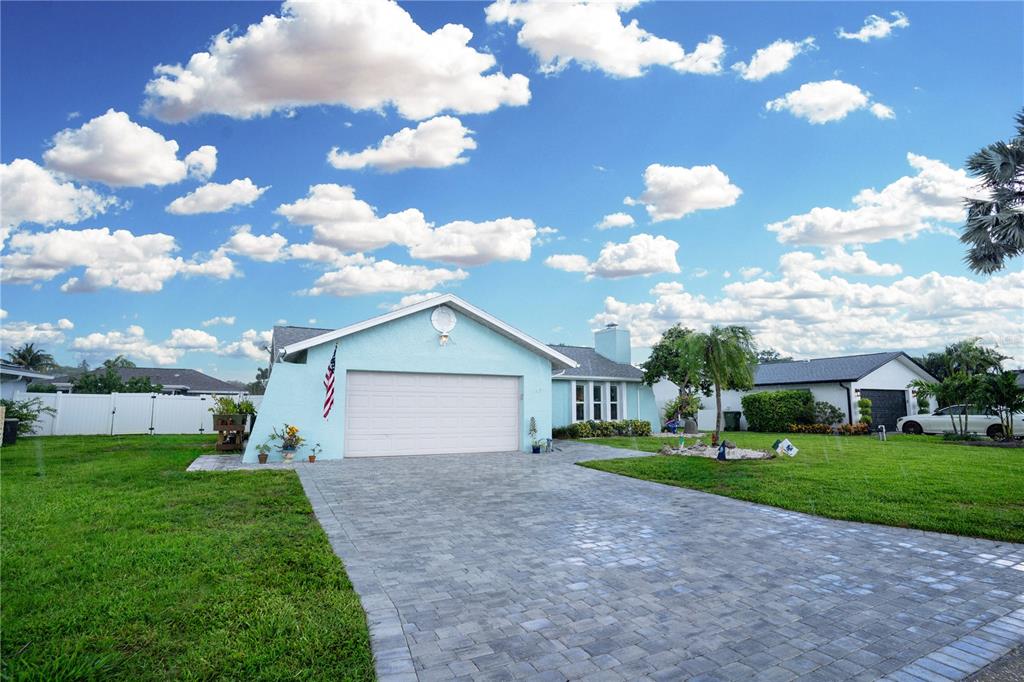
(80, 414)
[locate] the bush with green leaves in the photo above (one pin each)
(27, 413)
(596, 429)
(810, 428)
(109, 381)
(864, 407)
(685, 406)
(37, 387)
(776, 410)
(827, 413)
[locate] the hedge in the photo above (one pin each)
(841, 429)
(596, 429)
(774, 411)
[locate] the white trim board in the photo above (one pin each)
(558, 360)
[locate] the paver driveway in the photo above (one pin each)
(512, 565)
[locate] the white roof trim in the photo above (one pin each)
(488, 320)
(582, 377)
(23, 373)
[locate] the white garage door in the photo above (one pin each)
(395, 413)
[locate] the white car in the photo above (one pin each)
(942, 421)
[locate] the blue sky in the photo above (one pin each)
(757, 200)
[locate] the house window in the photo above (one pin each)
(613, 402)
(598, 403)
(581, 402)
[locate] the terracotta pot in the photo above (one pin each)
(312, 458)
(263, 458)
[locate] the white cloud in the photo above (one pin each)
(219, 319)
(363, 55)
(568, 262)
(469, 243)
(115, 150)
(772, 59)
(751, 272)
(15, 333)
(191, 339)
(643, 254)
(342, 221)
(437, 143)
(119, 259)
(216, 198)
(672, 192)
(382, 276)
(613, 220)
(901, 210)
(252, 345)
(262, 247)
(876, 27)
(593, 35)
(410, 300)
(807, 315)
(837, 259)
(827, 101)
(131, 342)
(202, 162)
(31, 194)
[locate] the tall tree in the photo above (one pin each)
(666, 362)
(259, 386)
(30, 357)
(995, 225)
(724, 356)
(967, 356)
(769, 355)
(118, 361)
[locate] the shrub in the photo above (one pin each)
(27, 413)
(864, 405)
(810, 428)
(859, 429)
(595, 429)
(776, 410)
(684, 405)
(36, 387)
(961, 437)
(827, 413)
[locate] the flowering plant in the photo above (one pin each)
(289, 437)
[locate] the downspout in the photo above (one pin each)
(849, 402)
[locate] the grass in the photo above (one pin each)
(116, 564)
(908, 481)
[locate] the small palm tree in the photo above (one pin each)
(30, 357)
(725, 356)
(995, 225)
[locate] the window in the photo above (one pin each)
(581, 402)
(597, 402)
(613, 401)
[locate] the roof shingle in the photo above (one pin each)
(593, 364)
(847, 368)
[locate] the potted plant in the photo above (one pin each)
(533, 436)
(226, 415)
(249, 410)
(290, 440)
(314, 451)
(263, 451)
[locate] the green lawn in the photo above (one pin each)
(910, 481)
(116, 564)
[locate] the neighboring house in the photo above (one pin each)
(175, 380)
(841, 381)
(439, 376)
(14, 379)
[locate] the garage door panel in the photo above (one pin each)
(389, 413)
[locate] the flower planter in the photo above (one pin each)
(263, 457)
(288, 453)
(312, 458)
(230, 422)
(536, 449)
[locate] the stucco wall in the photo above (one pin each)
(639, 403)
(561, 403)
(9, 386)
(894, 376)
(410, 344)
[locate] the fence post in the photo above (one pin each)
(202, 399)
(152, 411)
(113, 411)
(56, 418)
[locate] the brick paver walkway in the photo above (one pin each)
(518, 566)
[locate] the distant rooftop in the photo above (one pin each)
(844, 368)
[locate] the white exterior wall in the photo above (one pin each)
(10, 386)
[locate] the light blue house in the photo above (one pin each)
(440, 376)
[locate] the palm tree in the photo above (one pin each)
(30, 357)
(725, 356)
(995, 226)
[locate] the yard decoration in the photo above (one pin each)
(290, 440)
(229, 422)
(534, 443)
(316, 450)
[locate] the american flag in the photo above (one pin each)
(329, 384)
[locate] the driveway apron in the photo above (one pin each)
(509, 566)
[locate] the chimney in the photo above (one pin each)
(613, 343)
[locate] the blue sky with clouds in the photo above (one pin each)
(796, 168)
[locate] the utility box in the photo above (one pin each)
(732, 420)
(10, 431)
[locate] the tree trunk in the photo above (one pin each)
(718, 412)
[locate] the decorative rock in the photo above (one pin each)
(729, 445)
(666, 450)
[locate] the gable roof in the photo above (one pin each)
(285, 335)
(592, 364)
(823, 370)
(175, 377)
(557, 359)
